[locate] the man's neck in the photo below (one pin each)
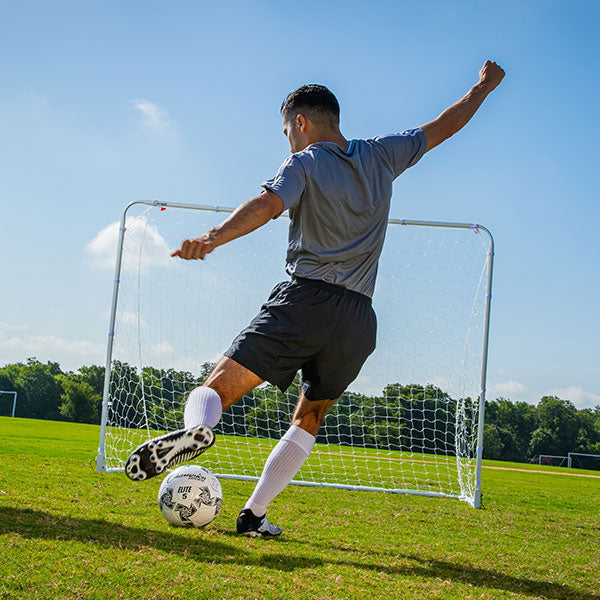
(334, 137)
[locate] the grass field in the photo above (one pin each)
(69, 533)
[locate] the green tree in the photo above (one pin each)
(94, 375)
(41, 392)
(511, 448)
(7, 384)
(492, 442)
(126, 392)
(413, 408)
(596, 417)
(515, 423)
(588, 435)
(558, 418)
(79, 400)
(544, 441)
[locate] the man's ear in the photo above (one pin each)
(301, 123)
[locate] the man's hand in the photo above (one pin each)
(453, 119)
(491, 75)
(196, 248)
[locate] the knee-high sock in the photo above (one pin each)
(283, 463)
(203, 407)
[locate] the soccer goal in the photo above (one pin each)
(412, 422)
(553, 460)
(5, 394)
(581, 460)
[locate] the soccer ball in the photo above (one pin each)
(190, 496)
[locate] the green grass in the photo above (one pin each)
(69, 533)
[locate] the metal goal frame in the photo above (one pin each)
(477, 228)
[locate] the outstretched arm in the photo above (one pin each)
(453, 119)
(245, 218)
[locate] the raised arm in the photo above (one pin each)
(245, 218)
(453, 119)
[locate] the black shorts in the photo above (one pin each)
(322, 329)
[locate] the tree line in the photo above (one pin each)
(411, 417)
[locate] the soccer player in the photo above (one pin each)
(320, 321)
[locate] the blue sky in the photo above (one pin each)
(103, 103)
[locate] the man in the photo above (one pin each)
(321, 321)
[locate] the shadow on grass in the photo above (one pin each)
(33, 524)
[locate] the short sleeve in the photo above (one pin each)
(404, 149)
(289, 183)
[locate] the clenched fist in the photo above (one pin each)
(491, 75)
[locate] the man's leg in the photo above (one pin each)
(225, 385)
(283, 463)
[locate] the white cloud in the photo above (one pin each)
(143, 246)
(7, 327)
(103, 248)
(129, 318)
(71, 354)
(513, 390)
(519, 392)
(577, 395)
(511, 387)
(161, 349)
(152, 114)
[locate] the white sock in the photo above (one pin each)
(203, 407)
(283, 463)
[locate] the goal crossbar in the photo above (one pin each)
(474, 409)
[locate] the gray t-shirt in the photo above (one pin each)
(338, 202)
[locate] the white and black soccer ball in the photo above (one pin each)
(190, 496)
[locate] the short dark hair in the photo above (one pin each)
(316, 102)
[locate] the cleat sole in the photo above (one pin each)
(157, 455)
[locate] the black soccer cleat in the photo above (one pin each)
(252, 526)
(156, 455)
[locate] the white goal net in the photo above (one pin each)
(411, 421)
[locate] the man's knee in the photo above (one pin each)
(231, 381)
(309, 414)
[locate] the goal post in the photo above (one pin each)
(14, 399)
(412, 422)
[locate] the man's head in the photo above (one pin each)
(311, 113)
